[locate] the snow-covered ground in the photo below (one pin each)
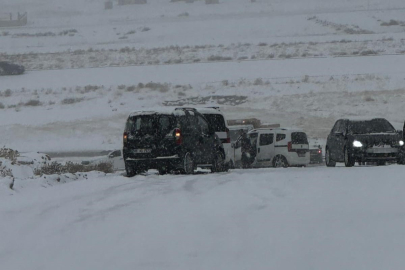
(303, 63)
(313, 218)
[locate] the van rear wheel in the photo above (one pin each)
(130, 170)
(188, 164)
(218, 164)
(280, 162)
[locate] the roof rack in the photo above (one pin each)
(186, 109)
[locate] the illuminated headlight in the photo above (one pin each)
(401, 143)
(357, 144)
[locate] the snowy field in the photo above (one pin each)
(300, 63)
(297, 63)
(314, 218)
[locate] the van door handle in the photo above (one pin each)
(258, 150)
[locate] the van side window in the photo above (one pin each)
(266, 139)
(203, 125)
(164, 124)
(280, 137)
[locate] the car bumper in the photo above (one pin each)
(295, 160)
(375, 154)
(155, 163)
(316, 159)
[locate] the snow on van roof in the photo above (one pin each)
(365, 119)
(162, 110)
(279, 128)
(239, 127)
(208, 110)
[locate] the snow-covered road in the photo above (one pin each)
(208, 72)
(311, 218)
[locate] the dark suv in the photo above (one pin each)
(173, 140)
(374, 140)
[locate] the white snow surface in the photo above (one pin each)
(300, 63)
(311, 218)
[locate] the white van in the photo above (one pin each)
(279, 147)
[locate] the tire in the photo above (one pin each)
(349, 160)
(188, 164)
(130, 170)
(231, 164)
(328, 160)
(381, 163)
(280, 162)
(163, 170)
(218, 164)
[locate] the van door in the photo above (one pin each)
(206, 140)
(265, 149)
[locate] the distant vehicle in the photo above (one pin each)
(251, 121)
(114, 157)
(362, 141)
(7, 68)
(316, 155)
(178, 139)
(279, 147)
(217, 121)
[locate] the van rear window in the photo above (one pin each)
(216, 121)
(144, 123)
(299, 138)
(149, 124)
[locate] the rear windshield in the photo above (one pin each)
(371, 126)
(216, 121)
(299, 138)
(149, 124)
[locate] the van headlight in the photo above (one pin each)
(401, 143)
(357, 144)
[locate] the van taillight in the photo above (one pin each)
(178, 136)
(228, 136)
(125, 137)
(290, 147)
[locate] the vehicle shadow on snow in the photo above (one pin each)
(156, 173)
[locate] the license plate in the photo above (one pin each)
(142, 151)
(381, 146)
(301, 154)
(382, 150)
